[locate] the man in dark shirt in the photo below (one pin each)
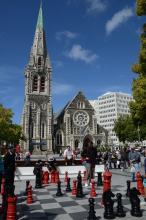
(51, 164)
(90, 154)
(9, 165)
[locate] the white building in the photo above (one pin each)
(108, 108)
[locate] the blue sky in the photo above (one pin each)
(91, 43)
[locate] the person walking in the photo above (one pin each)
(90, 154)
(9, 166)
(110, 158)
(124, 156)
(114, 158)
(133, 158)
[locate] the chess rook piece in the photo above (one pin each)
(68, 189)
(107, 182)
(99, 181)
(135, 202)
(53, 176)
(128, 188)
(38, 178)
(56, 176)
(84, 179)
(26, 190)
(79, 187)
(93, 193)
(2, 210)
(66, 173)
(74, 192)
(29, 196)
(120, 212)
(3, 187)
(12, 210)
(46, 177)
(92, 215)
(139, 183)
(108, 204)
(59, 193)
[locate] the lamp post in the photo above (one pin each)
(80, 119)
(138, 134)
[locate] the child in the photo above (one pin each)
(144, 184)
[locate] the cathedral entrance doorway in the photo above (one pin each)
(86, 142)
(76, 144)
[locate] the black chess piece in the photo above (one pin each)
(59, 193)
(99, 181)
(38, 183)
(92, 215)
(128, 188)
(26, 190)
(120, 211)
(108, 204)
(135, 202)
(68, 189)
(79, 187)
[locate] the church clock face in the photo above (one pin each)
(81, 118)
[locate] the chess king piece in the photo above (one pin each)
(108, 204)
(68, 189)
(128, 188)
(59, 193)
(92, 215)
(135, 202)
(79, 186)
(26, 190)
(120, 211)
(38, 178)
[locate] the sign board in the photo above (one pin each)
(17, 147)
(32, 143)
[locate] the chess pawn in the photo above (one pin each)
(128, 188)
(66, 173)
(84, 179)
(93, 193)
(74, 192)
(68, 189)
(59, 193)
(92, 215)
(26, 190)
(120, 211)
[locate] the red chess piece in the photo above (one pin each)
(84, 179)
(12, 210)
(46, 177)
(66, 176)
(74, 192)
(56, 176)
(79, 172)
(53, 176)
(107, 182)
(3, 187)
(93, 193)
(29, 197)
(139, 184)
(2, 210)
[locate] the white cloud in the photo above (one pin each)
(57, 63)
(139, 31)
(9, 72)
(67, 34)
(119, 18)
(60, 88)
(78, 53)
(96, 6)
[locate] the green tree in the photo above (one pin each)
(138, 107)
(125, 129)
(8, 131)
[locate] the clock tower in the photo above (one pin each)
(37, 116)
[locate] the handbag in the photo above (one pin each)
(112, 157)
(118, 162)
(132, 170)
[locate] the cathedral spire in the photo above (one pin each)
(40, 22)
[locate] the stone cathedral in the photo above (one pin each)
(37, 116)
(76, 122)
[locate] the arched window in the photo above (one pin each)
(42, 84)
(35, 84)
(76, 144)
(59, 138)
(39, 61)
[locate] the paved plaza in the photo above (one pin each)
(48, 206)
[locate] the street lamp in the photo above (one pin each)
(138, 133)
(80, 120)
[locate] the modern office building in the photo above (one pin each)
(108, 108)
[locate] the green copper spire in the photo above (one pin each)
(40, 22)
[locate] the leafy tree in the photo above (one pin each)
(138, 107)
(8, 131)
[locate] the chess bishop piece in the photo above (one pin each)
(68, 188)
(120, 212)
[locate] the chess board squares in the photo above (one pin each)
(34, 214)
(59, 217)
(74, 209)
